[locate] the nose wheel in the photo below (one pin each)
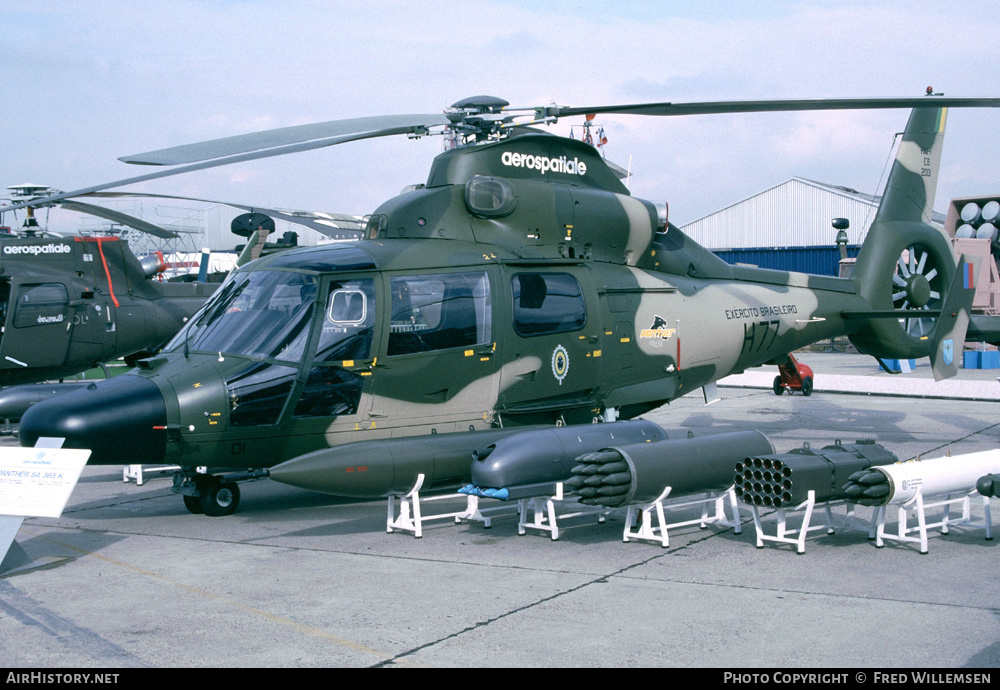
(219, 498)
(212, 495)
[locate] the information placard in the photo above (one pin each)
(37, 482)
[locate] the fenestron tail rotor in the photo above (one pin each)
(917, 285)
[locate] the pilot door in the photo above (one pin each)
(37, 325)
(336, 394)
(553, 347)
(438, 366)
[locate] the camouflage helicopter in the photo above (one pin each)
(521, 285)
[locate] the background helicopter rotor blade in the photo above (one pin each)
(118, 217)
(320, 221)
(353, 128)
(723, 107)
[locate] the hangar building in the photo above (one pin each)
(788, 227)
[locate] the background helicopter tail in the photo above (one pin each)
(920, 293)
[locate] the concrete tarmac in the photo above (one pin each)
(296, 579)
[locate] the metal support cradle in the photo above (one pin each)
(544, 516)
(919, 506)
(411, 518)
(797, 537)
(658, 532)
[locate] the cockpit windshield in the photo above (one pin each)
(255, 313)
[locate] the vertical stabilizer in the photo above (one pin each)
(909, 193)
(907, 269)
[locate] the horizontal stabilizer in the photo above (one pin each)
(954, 320)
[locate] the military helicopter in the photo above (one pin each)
(68, 304)
(521, 285)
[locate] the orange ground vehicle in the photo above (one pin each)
(793, 376)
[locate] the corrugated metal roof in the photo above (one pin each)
(796, 213)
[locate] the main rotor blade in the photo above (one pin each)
(356, 128)
(118, 217)
(723, 107)
(204, 165)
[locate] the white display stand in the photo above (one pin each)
(411, 518)
(918, 505)
(15, 558)
(658, 532)
(797, 537)
(543, 515)
(34, 482)
(137, 473)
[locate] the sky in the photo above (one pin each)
(87, 82)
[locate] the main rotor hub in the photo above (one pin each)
(481, 104)
(480, 117)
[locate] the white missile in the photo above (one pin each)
(936, 476)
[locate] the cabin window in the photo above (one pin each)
(437, 312)
(41, 304)
(547, 303)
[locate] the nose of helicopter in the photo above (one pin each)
(115, 419)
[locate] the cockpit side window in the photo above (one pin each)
(347, 307)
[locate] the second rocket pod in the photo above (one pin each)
(639, 473)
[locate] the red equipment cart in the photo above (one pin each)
(793, 376)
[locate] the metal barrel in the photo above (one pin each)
(987, 231)
(991, 212)
(970, 212)
(548, 455)
(687, 465)
(965, 231)
(825, 472)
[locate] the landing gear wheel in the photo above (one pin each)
(219, 499)
(807, 385)
(778, 388)
(193, 504)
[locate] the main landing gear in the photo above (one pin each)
(214, 495)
